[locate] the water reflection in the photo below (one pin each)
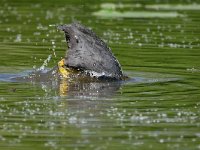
(88, 89)
(71, 87)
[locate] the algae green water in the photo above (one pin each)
(158, 46)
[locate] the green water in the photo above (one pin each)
(158, 46)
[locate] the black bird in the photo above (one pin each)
(87, 52)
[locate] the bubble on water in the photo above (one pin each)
(1, 12)
(140, 44)
(51, 144)
(2, 138)
(193, 70)
(178, 26)
(173, 45)
(158, 27)
(18, 38)
(36, 33)
(138, 118)
(83, 121)
(198, 134)
(41, 27)
(52, 25)
(8, 29)
(73, 120)
(161, 45)
(49, 15)
(85, 131)
(179, 113)
(161, 140)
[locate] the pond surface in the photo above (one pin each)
(158, 46)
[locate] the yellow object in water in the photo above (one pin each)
(63, 89)
(65, 74)
(63, 71)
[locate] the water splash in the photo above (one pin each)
(45, 63)
(53, 47)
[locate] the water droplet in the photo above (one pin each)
(18, 38)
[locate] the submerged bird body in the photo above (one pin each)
(87, 52)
